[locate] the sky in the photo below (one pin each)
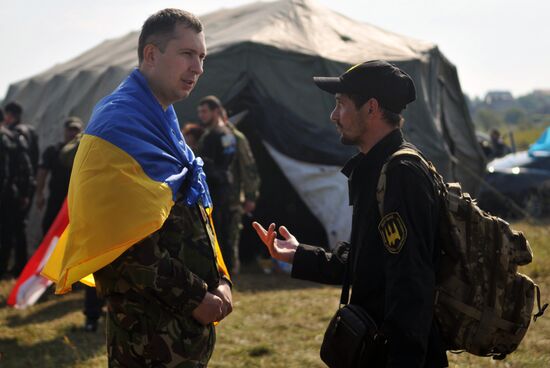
(495, 44)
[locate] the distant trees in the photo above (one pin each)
(515, 116)
(501, 111)
(486, 119)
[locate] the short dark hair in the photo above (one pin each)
(390, 117)
(212, 102)
(1, 116)
(159, 28)
(14, 109)
(73, 122)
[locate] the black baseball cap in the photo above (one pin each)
(391, 86)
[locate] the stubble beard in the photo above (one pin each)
(347, 141)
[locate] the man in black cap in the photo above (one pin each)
(395, 254)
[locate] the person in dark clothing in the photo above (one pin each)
(59, 173)
(18, 190)
(13, 113)
(218, 148)
(394, 255)
(498, 147)
(5, 148)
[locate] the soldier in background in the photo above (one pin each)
(20, 144)
(498, 147)
(244, 185)
(218, 147)
(58, 169)
(244, 191)
(13, 113)
(5, 145)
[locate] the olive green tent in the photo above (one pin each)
(261, 58)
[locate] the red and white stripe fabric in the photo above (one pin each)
(31, 285)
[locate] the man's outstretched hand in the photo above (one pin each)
(282, 250)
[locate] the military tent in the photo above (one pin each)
(261, 58)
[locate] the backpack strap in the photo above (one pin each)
(381, 187)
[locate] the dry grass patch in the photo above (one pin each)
(277, 322)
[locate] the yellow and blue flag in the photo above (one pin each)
(131, 163)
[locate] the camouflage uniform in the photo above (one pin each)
(153, 287)
(244, 187)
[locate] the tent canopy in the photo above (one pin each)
(262, 57)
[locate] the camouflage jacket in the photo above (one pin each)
(172, 268)
(246, 180)
(153, 287)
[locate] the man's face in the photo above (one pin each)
(206, 115)
(178, 68)
(9, 118)
(348, 120)
(70, 133)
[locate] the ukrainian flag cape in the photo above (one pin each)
(131, 163)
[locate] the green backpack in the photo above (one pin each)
(482, 304)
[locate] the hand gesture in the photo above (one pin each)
(282, 250)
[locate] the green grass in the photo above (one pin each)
(524, 137)
(277, 322)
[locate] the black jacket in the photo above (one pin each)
(395, 283)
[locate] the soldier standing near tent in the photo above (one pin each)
(18, 188)
(58, 169)
(393, 255)
(244, 191)
(5, 145)
(13, 113)
(164, 292)
(218, 149)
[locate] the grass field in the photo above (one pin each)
(277, 322)
(524, 137)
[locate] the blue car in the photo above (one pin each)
(518, 184)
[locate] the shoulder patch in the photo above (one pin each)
(393, 232)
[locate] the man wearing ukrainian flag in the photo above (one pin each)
(139, 211)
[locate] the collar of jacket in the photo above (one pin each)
(358, 168)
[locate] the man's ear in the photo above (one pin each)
(370, 106)
(149, 54)
(373, 105)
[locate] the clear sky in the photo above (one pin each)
(495, 44)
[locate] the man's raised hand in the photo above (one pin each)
(282, 250)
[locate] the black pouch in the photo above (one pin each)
(352, 338)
